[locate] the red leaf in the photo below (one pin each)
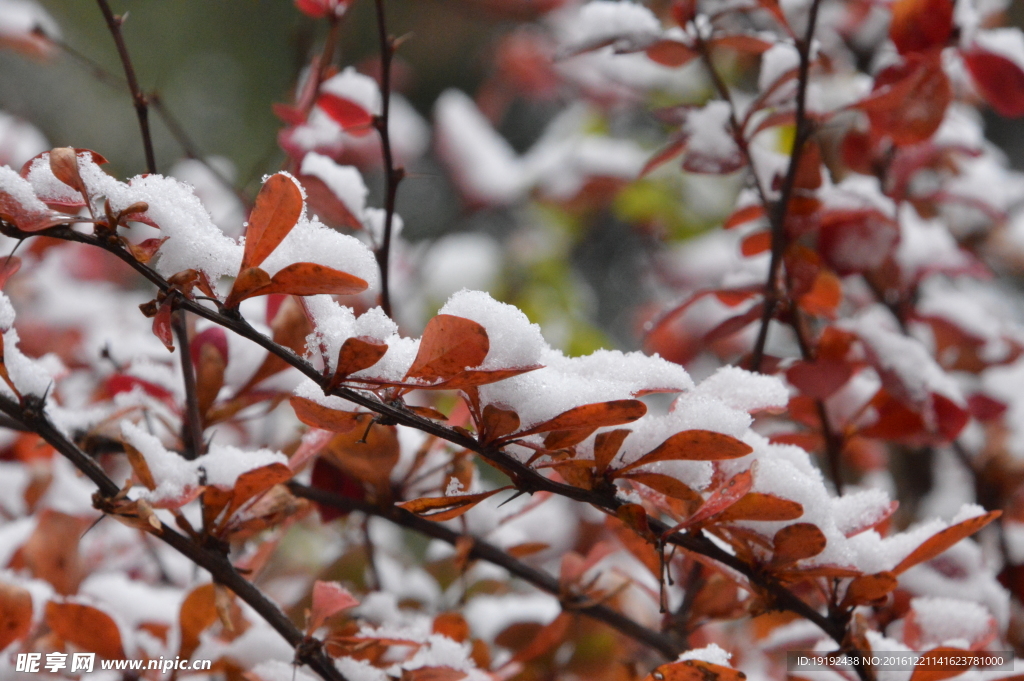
(329, 598)
(64, 166)
(213, 336)
(720, 499)
(669, 152)
(162, 327)
(319, 416)
(910, 99)
(758, 506)
(824, 297)
(742, 43)
(854, 241)
(734, 324)
(596, 415)
(497, 422)
(951, 417)
(796, 542)
(694, 670)
(326, 204)
(985, 408)
(692, 445)
(606, 446)
(352, 117)
(665, 484)
(277, 210)
(821, 378)
(867, 589)
(919, 25)
(756, 243)
(248, 283)
(670, 53)
(938, 543)
(999, 80)
(449, 346)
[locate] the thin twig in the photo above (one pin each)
(778, 216)
(139, 99)
(192, 426)
(31, 412)
(525, 478)
(483, 550)
(392, 175)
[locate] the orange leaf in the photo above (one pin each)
(197, 613)
(527, 549)
(357, 354)
(756, 243)
(446, 508)
(449, 346)
(824, 296)
(310, 279)
(87, 627)
(51, 551)
(595, 415)
(497, 422)
(277, 210)
(938, 543)
(64, 166)
(162, 327)
(635, 517)
(918, 25)
(910, 99)
(742, 43)
(694, 670)
(692, 445)
(329, 598)
(15, 613)
(249, 281)
(670, 53)
(435, 673)
(139, 466)
(665, 484)
(557, 439)
(758, 506)
(345, 112)
(452, 625)
(255, 482)
(744, 215)
(796, 542)
(365, 454)
(867, 589)
(606, 446)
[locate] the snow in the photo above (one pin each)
(311, 241)
(486, 166)
(19, 140)
(708, 130)
(22, 191)
(950, 621)
(355, 87)
(779, 59)
(712, 653)
(176, 476)
(19, 19)
(469, 260)
(514, 341)
(226, 210)
(346, 182)
(1005, 42)
(276, 670)
(603, 20)
(744, 390)
(489, 615)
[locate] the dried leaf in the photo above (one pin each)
(255, 482)
(64, 166)
(446, 508)
(310, 279)
(319, 416)
(329, 598)
(87, 627)
(635, 517)
(722, 498)
(370, 458)
(595, 415)
(277, 210)
(758, 506)
(497, 422)
(51, 551)
(692, 445)
(139, 466)
(940, 542)
(796, 542)
(665, 484)
(162, 327)
(15, 613)
(449, 346)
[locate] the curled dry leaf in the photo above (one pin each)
(446, 508)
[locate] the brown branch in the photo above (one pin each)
(31, 412)
(778, 216)
(525, 478)
(392, 175)
(192, 426)
(139, 99)
(483, 550)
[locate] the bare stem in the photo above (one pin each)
(192, 428)
(392, 175)
(31, 413)
(139, 99)
(772, 293)
(483, 550)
